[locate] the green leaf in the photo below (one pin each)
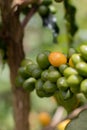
(79, 123)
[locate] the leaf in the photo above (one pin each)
(79, 123)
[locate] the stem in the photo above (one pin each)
(29, 15)
(69, 104)
(58, 116)
(15, 55)
(20, 97)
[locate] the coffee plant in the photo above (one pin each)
(54, 74)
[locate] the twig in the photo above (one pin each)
(31, 12)
(76, 112)
(29, 15)
(58, 117)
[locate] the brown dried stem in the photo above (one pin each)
(58, 117)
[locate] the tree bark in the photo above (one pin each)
(13, 32)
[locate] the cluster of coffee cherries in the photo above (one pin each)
(41, 76)
(53, 72)
(46, 10)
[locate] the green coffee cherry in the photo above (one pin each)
(69, 71)
(39, 88)
(71, 52)
(41, 93)
(30, 68)
(76, 58)
(44, 75)
(42, 60)
(29, 84)
(51, 68)
(82, 68)
(62, 84)
(36, 73)
(19, 81)
(43, 10)
(83, 51)
(75, 89)
(26, 61)
(62, 68)
(74, 80)
(52, 9)
(53, 75)
(23, 73)
(49, 87)
(83, 86)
